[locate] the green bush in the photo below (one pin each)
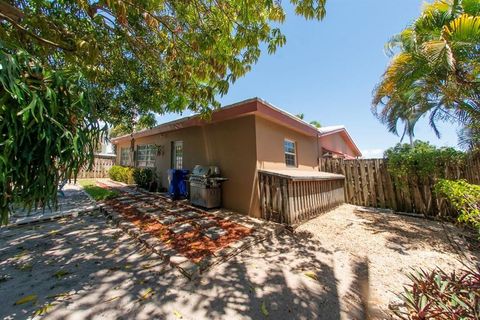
(121, 174)
(438, 295)
(422, 159)
(464, 197)
(114, 173)
(144, 177)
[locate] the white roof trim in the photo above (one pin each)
(329, 129)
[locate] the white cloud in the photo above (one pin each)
(372, 153)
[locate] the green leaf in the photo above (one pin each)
(263, 309)
(146, 293)
(177, 314)
(44, 309)
(29, 298)
(311, 275)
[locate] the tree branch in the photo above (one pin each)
(33, 35)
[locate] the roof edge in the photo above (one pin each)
(197, 117)
(345, 132)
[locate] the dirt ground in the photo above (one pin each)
(381, 248)
(341, 265)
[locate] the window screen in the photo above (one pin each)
(178, 155)
(290, 153)
(124, 156)
(146, 155)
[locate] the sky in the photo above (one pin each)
(327, 70)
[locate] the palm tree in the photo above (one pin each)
(435, 69)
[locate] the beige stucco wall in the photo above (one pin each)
(239, 147)
(227, 144)
(270, 152)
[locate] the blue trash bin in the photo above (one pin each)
(177, 187)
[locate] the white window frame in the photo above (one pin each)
(294, 153)
(177, 154)
(146, 154)
(125, 156)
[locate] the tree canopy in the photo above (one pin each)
(314, 123)
(48, 128)
(145, 121)
(153, 55)
(68, 66)
(435, 70)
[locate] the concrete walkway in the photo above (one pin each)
(345, 264)
(75, 201)
(83, 268)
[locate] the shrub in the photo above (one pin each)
(114, 173)
(438, 295)
(145, 178)
(122, 174)
(464, 197)
(421, 159)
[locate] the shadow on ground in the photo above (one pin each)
(405, 233)
(84, 268)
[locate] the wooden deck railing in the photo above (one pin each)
(291, 201)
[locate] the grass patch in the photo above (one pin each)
(96, 192)
(86, 182)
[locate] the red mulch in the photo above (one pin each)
(193, 244)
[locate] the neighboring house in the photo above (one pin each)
(241, 139)
(337, 143)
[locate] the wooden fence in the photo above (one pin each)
(368, 183)
(101, 165)
(290, 201)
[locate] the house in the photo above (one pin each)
(244, 139)
(337, 143)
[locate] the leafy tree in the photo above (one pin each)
(435, 69)
(314, 123)
(48, 126)
(154, 55)
(300, 116)
(146, 121)
(69, 65)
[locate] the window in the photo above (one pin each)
(146, 155)
(177, 154)
(124, 156)
(290, 153)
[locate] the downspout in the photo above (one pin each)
(318, 150)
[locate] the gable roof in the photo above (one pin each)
(250, 106)
(342, 131)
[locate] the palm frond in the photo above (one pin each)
(464, 29)
(439, 53)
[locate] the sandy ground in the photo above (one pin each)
(333, 267)
(387, 247)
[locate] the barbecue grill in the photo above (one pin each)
(205, 186)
